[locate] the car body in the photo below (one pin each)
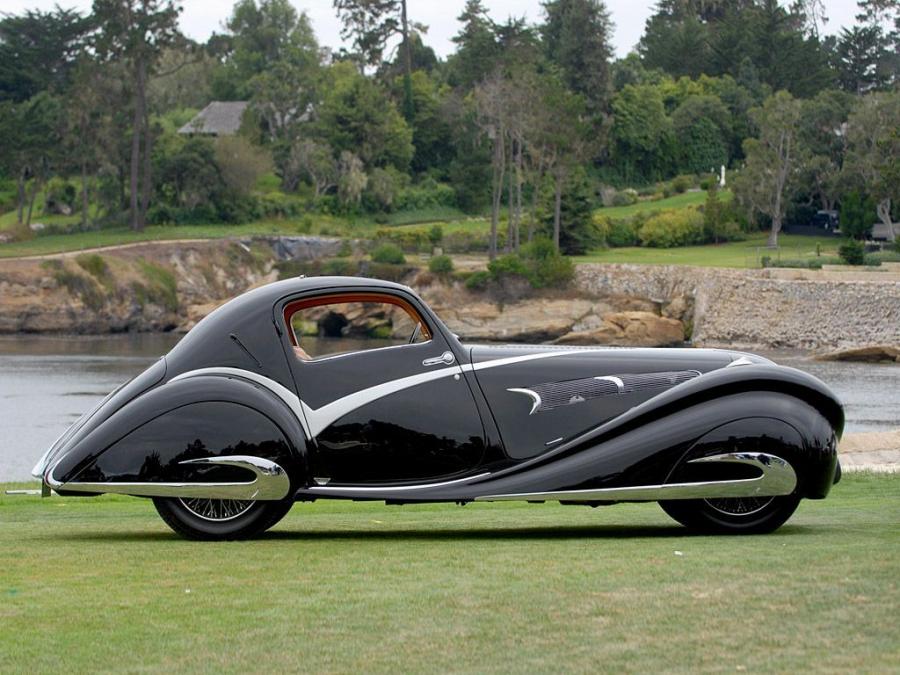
(238, 421)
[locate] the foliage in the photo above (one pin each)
(388, 253)
(539, 263)
(852, 252)
(857, 216)
(672, 228)
(355, 116)
(441, 265)
(770, 175)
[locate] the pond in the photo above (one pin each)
(46, 383)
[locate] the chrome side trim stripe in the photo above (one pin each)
(320, 419)
(270, 483)
(282, 392)
(509, 360)
(533, 395)
(778, 478)
(316, 420)
(620, 385)
(395, 488)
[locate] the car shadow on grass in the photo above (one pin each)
(456, 534)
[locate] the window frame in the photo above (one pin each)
(292, 307)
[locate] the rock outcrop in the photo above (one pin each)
(763, 308)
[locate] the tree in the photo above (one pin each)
(823, 133)
(873, 151)
(356, 116)
(30, 138)
(259, 37)
(857, 215)
(641, 134)
(371, 23)
(310, 160)
(576, 36)
(702, 125)
(857, 57)
(38, 51)
(137, 32)
(352, 179)
(770, 174)
(477, 48)
(493, 118)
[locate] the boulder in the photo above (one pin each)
(538, 320)
(633, 329)
(871, 354)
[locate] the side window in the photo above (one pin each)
(343, 324)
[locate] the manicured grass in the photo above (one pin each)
(101, 584)
(674, 202)
(747, 253)
(314, 224)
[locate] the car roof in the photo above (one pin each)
(249, 315)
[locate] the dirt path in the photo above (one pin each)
(112, 248)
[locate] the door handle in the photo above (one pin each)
(446, 358)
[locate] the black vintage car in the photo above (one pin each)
(348, 388)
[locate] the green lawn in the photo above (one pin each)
(101, 584)
(747, 253)
(316, 224)
(674, 202)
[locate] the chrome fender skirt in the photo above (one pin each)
(270, 483)
(776, 478)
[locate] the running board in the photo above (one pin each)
(270, 483)
(778, 478)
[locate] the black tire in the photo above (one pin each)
(732, 516)
(251, 519)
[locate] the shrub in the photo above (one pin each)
(478, 280)
(539, 263)
(241, 163)
(463, 241)
(615, 232)
(435, 235)
(625, 197)
(672, 228)
(96, 266)
(852, 252)
(161, 288)
(441, 265)
(681, 184)
(388, 253)
(426, 194)
(410, 239)
(510, 265)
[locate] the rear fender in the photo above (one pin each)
(205, 429)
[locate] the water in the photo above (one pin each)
(46, 383)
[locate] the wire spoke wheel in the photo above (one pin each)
(218, 510)
(739, 506)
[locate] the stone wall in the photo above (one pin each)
(764, 308)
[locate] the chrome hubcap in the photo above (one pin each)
(739, 506)
(217, 510)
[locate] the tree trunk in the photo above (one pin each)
(35, 186)
(146, 178)
(408, 108)
(499, 163)
(557, 208)
(510, 194)
(85, 202)
(518, 192)
(137, 127)
(20, 199)
(883, 209)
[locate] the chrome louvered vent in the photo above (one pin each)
(550, 395)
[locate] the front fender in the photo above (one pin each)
(165, 435)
